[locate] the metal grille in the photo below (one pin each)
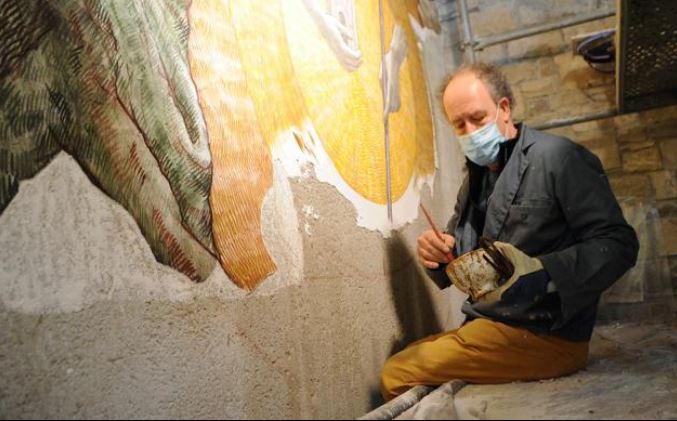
(647, 70)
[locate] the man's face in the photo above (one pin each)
(469, 105)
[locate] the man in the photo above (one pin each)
(547, 202)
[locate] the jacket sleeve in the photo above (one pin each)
(606, 245)
(439, 275)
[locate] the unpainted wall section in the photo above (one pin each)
(94, 327)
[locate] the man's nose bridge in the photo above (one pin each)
(470, 127)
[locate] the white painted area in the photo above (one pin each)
(339, 33)
(390, 70)
(370, 215)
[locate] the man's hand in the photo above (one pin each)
(432, 251)
(529, 281)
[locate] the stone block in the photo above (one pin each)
(539, 86)
(519, 107)
(636, 146)
(609, 156)
(547, 67)
(599, 138)
(657, 282)
(648, 159)
(655, 115)
(566, 62)
(628, 122)
(669, 236)
(602, 93)
(565, 131)
(632, 135)
(631, 185)
(530, 13)
(548, 43)
(669, 151)
(667, 208)
(574, 72)
(672, 262)
(538, 106)
(519, 71)
(664, 184)
(495, 54)
(662, 129)
(567, 103)
(496, 19)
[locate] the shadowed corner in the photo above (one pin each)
(413, 303)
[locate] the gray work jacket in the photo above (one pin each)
(553, 201)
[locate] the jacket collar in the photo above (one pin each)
(527, 137)
(508, 184)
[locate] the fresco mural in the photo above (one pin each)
(101, 81)
(176, 109)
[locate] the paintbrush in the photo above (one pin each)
(437, 232)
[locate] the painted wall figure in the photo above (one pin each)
(176, 110)
(241, 161)
(101, 82)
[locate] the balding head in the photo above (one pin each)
(476, 95)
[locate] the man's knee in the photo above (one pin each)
(393, 377)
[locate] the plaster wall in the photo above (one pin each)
(94, 327)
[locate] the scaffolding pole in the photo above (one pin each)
(482, 43)
(468, 41)
(569, 121)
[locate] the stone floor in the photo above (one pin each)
(631, 374)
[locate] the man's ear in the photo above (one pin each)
(504, 105)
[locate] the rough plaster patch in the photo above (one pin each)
(299, 152)
(65, 245)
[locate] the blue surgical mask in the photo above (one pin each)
(482, 145)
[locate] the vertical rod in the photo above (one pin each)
(386, 125)
(468, 41)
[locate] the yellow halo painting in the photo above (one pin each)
(275, 76)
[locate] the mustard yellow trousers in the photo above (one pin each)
(481, 351)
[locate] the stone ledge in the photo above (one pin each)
(631, 374)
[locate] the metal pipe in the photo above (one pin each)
(386, 124)
(448, 17)
(395, 407)
(574, 120)
(482, 43)
(468, 41)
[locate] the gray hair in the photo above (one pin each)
(493, 79)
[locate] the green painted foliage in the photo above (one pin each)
(108, 82)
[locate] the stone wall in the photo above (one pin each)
(638, 150)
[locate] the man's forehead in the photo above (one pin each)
(467, 86)
(465, 95)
